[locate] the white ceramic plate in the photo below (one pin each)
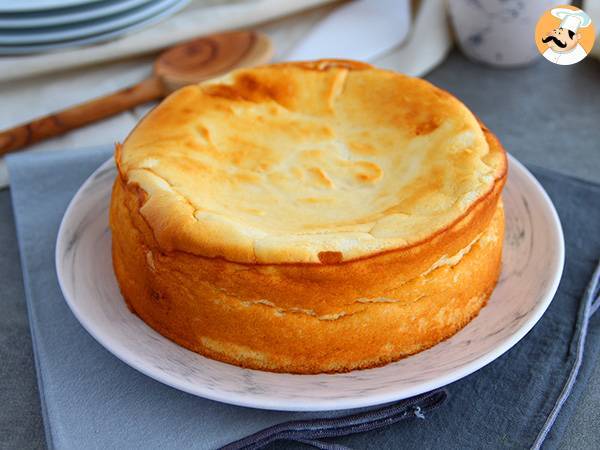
(174, 7)
(532, 267)
(88, 11)
(84, 29)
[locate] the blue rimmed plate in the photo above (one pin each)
(80, 13)
(39, 5)
(170, 7)
(85, 29)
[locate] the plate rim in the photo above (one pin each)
(44, 5)
(87, 12)
(84, 42)
(261, 402)
(84, 29)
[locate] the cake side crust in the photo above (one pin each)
(365, 331)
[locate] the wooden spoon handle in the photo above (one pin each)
(60, 122)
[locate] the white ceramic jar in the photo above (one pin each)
(499, 32)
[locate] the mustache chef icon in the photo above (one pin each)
(563, 42)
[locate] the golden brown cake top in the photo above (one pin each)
(323, 161)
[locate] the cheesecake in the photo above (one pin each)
(308, 217)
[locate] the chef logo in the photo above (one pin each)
(564, 35)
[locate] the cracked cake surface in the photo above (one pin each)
(307, 162)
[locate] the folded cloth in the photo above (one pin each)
(92, 400)
(309, 431)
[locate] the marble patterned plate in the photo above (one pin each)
(532, 267)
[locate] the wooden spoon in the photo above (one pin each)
(187, 63)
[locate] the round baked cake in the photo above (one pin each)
(308, 217)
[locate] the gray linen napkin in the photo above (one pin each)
(92, 400)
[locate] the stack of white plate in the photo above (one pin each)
(31, 26)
